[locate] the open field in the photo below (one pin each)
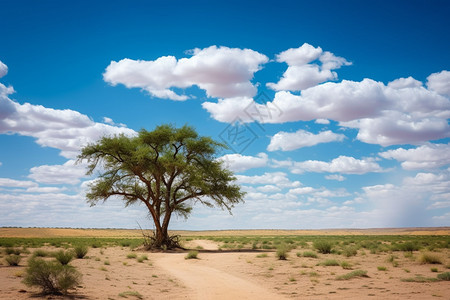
(391, 263)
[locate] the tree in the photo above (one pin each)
(168, 170)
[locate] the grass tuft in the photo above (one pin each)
(353, 274)
(192, 255)
(13, 259)
(430, 258)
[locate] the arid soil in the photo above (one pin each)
(109, 274)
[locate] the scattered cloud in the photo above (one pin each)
(68, 173)
(279, 179)
(12, 183)
(427, 156)
(287, 141)
(3, 69)
(439, 82)
(337, 177)
(220, 71)
(301, 72)
(239, 163)
(342, 164)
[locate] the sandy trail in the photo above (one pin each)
(209, 283)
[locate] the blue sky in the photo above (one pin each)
(336, 111)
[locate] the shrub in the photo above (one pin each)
(430, 258)
(80, 251)
(13, 259)
(262, 255)
(191, 255)
(410, 247)
(64, 257)
(330, 262)
(444, 276)
(382, 268)
(41, 253)
(353, 274)
(346, 265)
(142, 258)
(349, 251)
(131, 255)
(323, 247)
(310, 254)
(10, 251)
(51, 276)
(282, 251)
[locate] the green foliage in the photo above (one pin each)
(330, 262)
(192, 255)
(282, 251)
(64, 257)
(382, 268)
(323, 247)
(131, 293)
(131, 255)
(311, 254)
(409, 246)
(51, 276)
(10, 251)
(80, 251)
(167, 169)
(346, 265)
(349, 251)
(262, 255)
(142, 258)
(353, 274)
(13, 259)
(41, 253)
(444, 276)
(430, 258)
(419, 279)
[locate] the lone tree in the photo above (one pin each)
(168, 169)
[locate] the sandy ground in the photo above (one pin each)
(236, 275)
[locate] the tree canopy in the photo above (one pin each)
(168, 169)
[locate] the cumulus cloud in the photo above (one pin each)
(3, 69)
(12, 183)
(287, 141)
(337, 177)
(342, 164)
(402, 83)
(68, 173)
(440, 82)
(279, 179)
(239, 163)
(427, 156)
(220, 71)
(66, 130)
(301, 73)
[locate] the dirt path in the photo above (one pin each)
(209, 283)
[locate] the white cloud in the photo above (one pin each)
(279, 179)
(287, 141)
(111, 122)
(220, 71)
(402, 83)
(12, 183)
(66, 130)
(342, 164)
(335, 177)
(440, 82)
(322, 121)
(301, 73)
(68, 173)
(424, 157)
(3, 69)
(239, 163)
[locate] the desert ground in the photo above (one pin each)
(240, 265)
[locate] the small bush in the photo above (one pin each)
(41, 253)
(192, 255)
(282, 252)
(64, 257)
(13, 259)
(346, 265)
(262, 255)
(323, 247)
(330, 262)
(311, 254)
(349, 251)
(80, 251)
(430, 258)
(142, 258)
(444, 276)
(131, 293)
(51, 276)
(353, 274)
(10, 251)
(410, 247)
(382, 268)
(131, 255)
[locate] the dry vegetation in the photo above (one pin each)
(393, 264)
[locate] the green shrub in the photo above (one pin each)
(80, 251)
(13, 259)
(330, 262)
(51, 276)
(282, 252)
(430, 258)
(64, 257)
(349, 251)
(10, 251)
(262, 255)
(131, 255)
(142, 258)
(311, 254)
(410, 247)
(444, 276)
(192, 255)
(323, 247)
(346, 265)
(382, 268)
(41, 253)
(353, 274)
